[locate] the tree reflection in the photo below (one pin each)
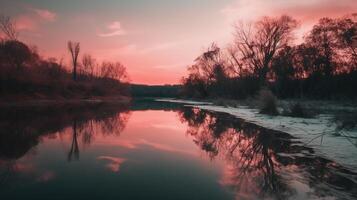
(74, 147)
(87, 130)
(22, 130)
(259, 161)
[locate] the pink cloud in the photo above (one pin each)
(114, 25)
(45, 14)
(307, 12)
(27, 23)
(115, 30)
(114, 162)
(34, 18)
(304, 9)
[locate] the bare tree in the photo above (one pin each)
(113, 71)
(346, 35)
(74, 48)
(8, 28)
(88, 64)
(235, 65)
(209, 63)
(258, 43)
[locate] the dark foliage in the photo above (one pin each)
(155, 90)
(267, 102)
(323, 67)
(24, 74)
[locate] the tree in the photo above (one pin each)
(322, 37)
(282, 64)
(283, 68)
(74, 48)
(8, 28)
(113, 71)
(194, 86)
(258, 44)
(236, 66)
(88, 64)
(346, 35)
(15, 53)
(209, 65)
(208, 72)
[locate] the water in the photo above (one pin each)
(158, 151)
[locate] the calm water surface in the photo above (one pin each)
(158, 151)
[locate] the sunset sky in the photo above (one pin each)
(154, 39)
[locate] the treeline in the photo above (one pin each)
(263, 54)
(172, 91)
(24, 73)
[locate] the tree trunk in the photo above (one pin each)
(74, 71)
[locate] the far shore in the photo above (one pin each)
(48, 102)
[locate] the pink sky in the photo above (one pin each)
(155, 40)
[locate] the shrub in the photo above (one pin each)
(346, 121)
(267, 102)
(297, 110)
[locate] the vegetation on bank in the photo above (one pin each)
(263, 55)
(168, 91)
(24, 74)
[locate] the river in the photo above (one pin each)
(157, 150)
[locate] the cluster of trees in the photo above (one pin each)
(263, 54)
(23, 71)
(171, 91)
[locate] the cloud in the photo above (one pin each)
(25, 22)
(170, 66)
(115, 30)
(114, 162)
(305, 10)
(114, 25)
(31, 20)
(45, 14)
(160, 47)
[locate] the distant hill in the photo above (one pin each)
(139, 90)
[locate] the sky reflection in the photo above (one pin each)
(184, 153)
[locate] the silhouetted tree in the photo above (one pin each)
(88, 64)
(346, 35)
(322, 37)
(207, 64)
(74, 146)
(256, 45)
(209, 71)
(283, 68)
(15, 53)
(113, 70)
(74, 48)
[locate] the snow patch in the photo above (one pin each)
(319, 132)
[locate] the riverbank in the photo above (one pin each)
(321, 132)
(27, 102)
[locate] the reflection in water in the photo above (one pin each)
(266, 163)
(22, 130)
(114, 162)
(74, 147)
(109, 125)
(254, 163)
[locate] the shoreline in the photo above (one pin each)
(43, 102)
(320, 132)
